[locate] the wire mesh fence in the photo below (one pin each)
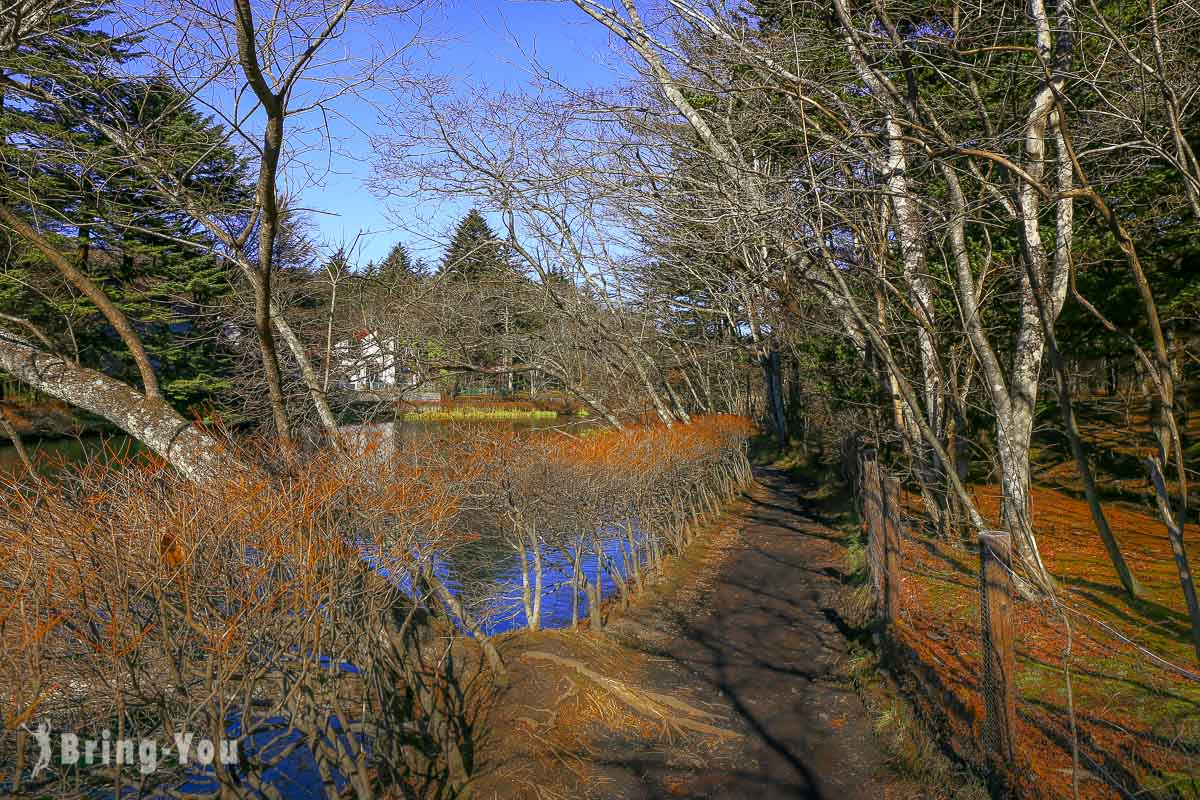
(1080, 692)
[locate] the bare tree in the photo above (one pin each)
(258, 69)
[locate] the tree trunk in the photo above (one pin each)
(1175, 534)
(452, 604)
(536, 621)
(1066, 407)
(267, 198)
(1013, 435)
(664, 414)
(526, 598)
(320, 397)
(18, 444)
(329, 335)
(270, 358)
(705, 405)
(676, 404)
(120, 323)
(596, 619)
(910, 234)
(152, 422)
(576, 579)
(774, 390)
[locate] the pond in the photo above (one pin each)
(51, 454)
(486, 576)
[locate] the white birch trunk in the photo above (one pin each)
(153, 422)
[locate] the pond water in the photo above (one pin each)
(51, 454)
(486, 577)
(493, 589)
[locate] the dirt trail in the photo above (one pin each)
(765, 639)
(749, 636)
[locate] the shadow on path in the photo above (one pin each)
(764, 647)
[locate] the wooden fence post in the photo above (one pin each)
(873, 512)
(891, 550)
(999, 657)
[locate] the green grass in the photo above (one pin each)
(1171, 784)
(921, 766)
(477, 414)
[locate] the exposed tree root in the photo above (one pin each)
(644, 702)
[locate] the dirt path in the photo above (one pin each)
(765, 640)
(749, 637)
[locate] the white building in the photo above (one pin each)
(370, 361)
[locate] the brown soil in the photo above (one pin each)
(724, 681)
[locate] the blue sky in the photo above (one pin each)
(476, 48)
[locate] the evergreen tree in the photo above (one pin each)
(478, 257)
(475, 252)
(400, 263)
(391, 275)
(124, 236)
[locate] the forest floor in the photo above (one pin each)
(1110, 678)
(728, 679)
(1125, 667)
(1116, 431)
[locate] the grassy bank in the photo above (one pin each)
(477, 414)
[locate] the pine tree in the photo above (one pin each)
(391, 275)
(478, 257)
(123, 235)
(475, 252)
(400, 263)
